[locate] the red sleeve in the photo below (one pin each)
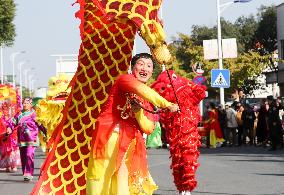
(128, 83)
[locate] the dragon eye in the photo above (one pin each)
(174, 76)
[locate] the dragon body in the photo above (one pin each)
(181, 127)
(108, 29)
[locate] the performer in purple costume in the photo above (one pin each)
(27, 130)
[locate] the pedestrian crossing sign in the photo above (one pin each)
(220, 78)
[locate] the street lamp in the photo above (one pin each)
(32, 86)
(12, 58)
(220, 54)
(26, 77)
(20, 69)
(30, 83)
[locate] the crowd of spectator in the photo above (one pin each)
(242, 123)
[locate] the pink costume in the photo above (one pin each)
(27, 131)
(10, 156)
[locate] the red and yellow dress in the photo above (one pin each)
(118, 159)
(213, 125)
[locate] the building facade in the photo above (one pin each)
(280, 40)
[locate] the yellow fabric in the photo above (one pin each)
(103, 177)
(7, 92)
(42, 141)
(115, 181)
(213, 140)
(146, 125)
(220, 140)
(58, 85)
(153, 97)
(101, 186)
(239, 118)
(49, 115)
(143, 91)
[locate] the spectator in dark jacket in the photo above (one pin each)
(222, 118)
(262, 126)
(248, 117)
(274, 125)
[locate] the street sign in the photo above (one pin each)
(210, 49)
(199, 80)
(197, 68)
(220, 78)
(229, 48)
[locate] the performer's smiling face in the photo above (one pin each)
(143, 69)
(27, 105)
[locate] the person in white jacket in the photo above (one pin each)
(231, 130)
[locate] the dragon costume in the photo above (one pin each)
(108, 29)
(10, 95)
(49, 110)
(181, 127)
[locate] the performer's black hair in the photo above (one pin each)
(142, 55)
(28, 99)
(212, 105)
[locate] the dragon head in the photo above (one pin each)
(58, 87)
(188, 93)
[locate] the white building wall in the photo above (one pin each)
(66, 66)
(280, 43)
(265, 90)
(40, 92)
(66, 63)
(280, 28)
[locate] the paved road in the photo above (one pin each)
(223, 171)
(13, 183)
(227, 171)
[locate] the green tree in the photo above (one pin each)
(25, 91)
(246, 27)
(200, 33)
(248, 30)
(243, 30)
(244, 69)
(7, 28)
(266, 33)
(256, 39)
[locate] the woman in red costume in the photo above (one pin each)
(213, 126)
(118, 162)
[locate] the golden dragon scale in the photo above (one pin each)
(108, 29)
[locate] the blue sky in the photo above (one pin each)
(49, 27)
